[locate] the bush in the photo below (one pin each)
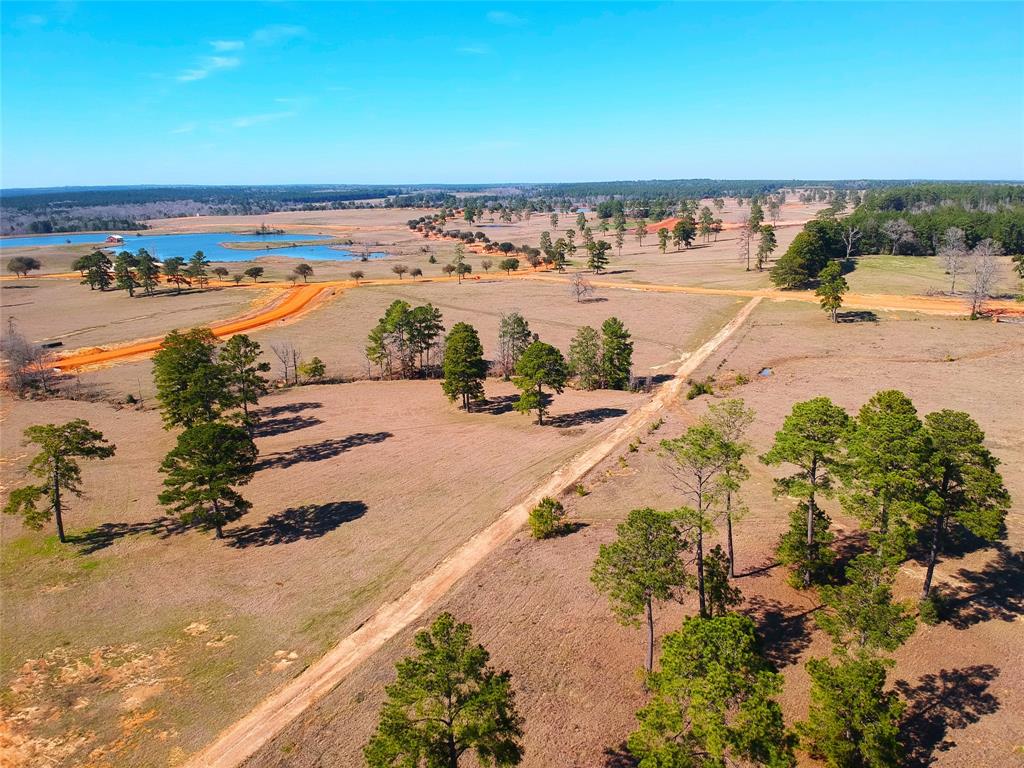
(546, 519)
(933, 609)
(580, 490)
(698, 388)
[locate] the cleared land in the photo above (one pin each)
(143, 642)
(532, 604)
(180, 632)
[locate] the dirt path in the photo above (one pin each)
(300, 299)
(287, 307)
(245, 737)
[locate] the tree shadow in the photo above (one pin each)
(308, 522)
(496, 405)
(943, 702)
(279, 426)
(618, 757)
(617, 271)
(857, 316)
(589, 416)
(102, 536)
(785, 630)
(272, 411)
(325, 449)
(593, 300)
(994, 592)
(764, 567)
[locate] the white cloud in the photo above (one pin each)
(31, 20)
(505, 19)
(278, 33)
(209, 65)
(227, 45)
(186, 128)
(267, 117)
(476, 49)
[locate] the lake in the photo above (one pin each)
(167, 246)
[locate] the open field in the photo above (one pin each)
(367, 486)
(533, 607)
(65, 311)
(181, 633)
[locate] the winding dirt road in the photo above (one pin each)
(288, 306)
(245, 737)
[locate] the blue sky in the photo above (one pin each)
(282, 92)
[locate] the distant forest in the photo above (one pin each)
(72, 209)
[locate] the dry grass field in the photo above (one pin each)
(576, 670)
(136, 644)
(143, 640)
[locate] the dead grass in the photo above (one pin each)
(364, 487)
(575, 669)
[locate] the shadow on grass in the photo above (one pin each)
(102, 536)
(325, 449)
(284, 424)
(618, 757)
(857, 316)
(589, 416)
(273, 411)
(939, 703)
(996, 592)
(785, 630)
(308, 522)
(496, 405)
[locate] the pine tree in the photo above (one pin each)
(446, 702)
(616, 354)
(541, 365)
(713, 701)
(641, 567)
(811, 439)
(190, 383)
(696, 460)
(731, 419)
(831, 287)
(240, 359)
(853, 720)
(124, 274)
(203, 468)
(196, 269)
(598, 259)
(585, 358)
(55, 464)
(464, 366)
(148, 270)
(967, 489)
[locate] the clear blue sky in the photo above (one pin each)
(283, 92)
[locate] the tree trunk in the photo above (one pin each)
(933, 556)
(650, 636)
(700, 571)
(453, 752)
(56, 504)
(810, 521)
(218, 525)
(728, 535)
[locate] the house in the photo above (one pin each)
(115, 239)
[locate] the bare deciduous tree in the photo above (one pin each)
(288, 355)
(983, 270)
(953, 253)
(580, 287)
(746, 233)
(24, 363)
(898, 231)
(851, 235)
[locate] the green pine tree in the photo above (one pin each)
(464, 366)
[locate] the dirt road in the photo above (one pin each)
(300, 299)
(286, 307)
(254, 730)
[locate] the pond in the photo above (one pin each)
(167, 246)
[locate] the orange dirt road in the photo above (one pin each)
(295, 301)
(244, 738)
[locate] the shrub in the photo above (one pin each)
(698, 388)
(546, 519)
(933, 609)
(580, 490)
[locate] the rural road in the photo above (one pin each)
(301, 298)
(245, 737)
